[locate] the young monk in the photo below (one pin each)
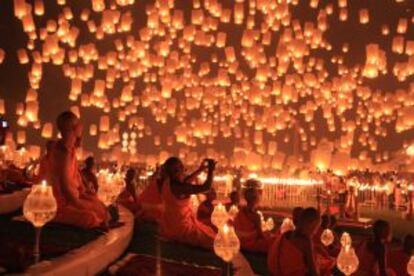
(89, 176)
(294, 252)
(399, 258)
(75, 206)
(206, 208)
(150, 201)
(128, 197)
(373, 254)
(178, 221)
(248, 224)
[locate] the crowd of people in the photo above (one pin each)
(167, 202)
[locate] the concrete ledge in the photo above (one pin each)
(93, 257)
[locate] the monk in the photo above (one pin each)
(179, 222)
(400, 257)
(271, 255)
(128, 197)
(150, 201)
(373, 254)
(248, 223)
(206, 208)
(75, 206)
(294, 252)
(89, 176)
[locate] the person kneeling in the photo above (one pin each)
(75, 206)
(248, 223)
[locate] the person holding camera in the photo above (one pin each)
(179, 223)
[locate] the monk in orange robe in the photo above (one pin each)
(128, 197)
(271, 255)
(75, 206)
(399, 258)
(206, 208)
(179, 222)
(248, 223)
(374, 254)
(295, 254)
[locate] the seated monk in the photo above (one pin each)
(150, 201)
(400, 257)
(373, 254)
(271, 255)
(234, 200)
(179, 222)
(295, 253)
(89, 176)
(75, 206)
(248, 223)
(128, 197)
(206, 208)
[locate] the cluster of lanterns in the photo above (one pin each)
(271, 80)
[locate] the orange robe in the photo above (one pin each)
(271, 254)
(127, 200)
(93, 214)
(398, 261)
(204, 213)
(179, 222)
(247, 232)
(287, 259)
(368, 264)
(151, 203)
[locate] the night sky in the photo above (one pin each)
(54, 87)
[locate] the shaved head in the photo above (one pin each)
(66, 122)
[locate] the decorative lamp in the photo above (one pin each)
(347, 261)
(287, 225)
(226, 244)
(219, 216)
(233, 212)
(327, 237)
(39, 208)
(346, 240)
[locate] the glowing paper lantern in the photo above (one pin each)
(104, 123)
(47, 131)
(2, 107)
